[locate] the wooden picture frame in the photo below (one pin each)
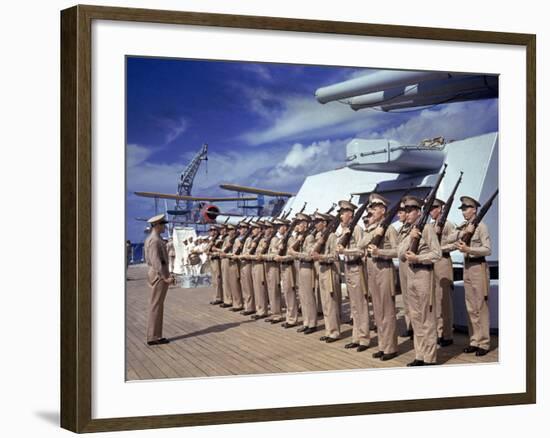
(76, 217)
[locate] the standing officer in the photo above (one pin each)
(215, 268)
(381, 277)
(355, 279)
(273, 273)
(215, 251)
(301, 250)
(158, 278)
(226, 247)
(401, 234)
(245, 270)
(258, 270)
(476, 276)
(420, 284)
(288, 279)
(329, 282)
(233, 272)
(443, 279)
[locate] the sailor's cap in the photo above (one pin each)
(322, 217)
(243, 224)
(413, 201)
(230, 226)
(214, 227)
(375, 199)
(268, 224)
(346, 205)
(280, 221)
(158, 219)
(438, 203)
(302, 217)
(468, 201)
(255, 225)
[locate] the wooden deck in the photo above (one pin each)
(207, 340)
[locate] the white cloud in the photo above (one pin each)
(258, 69)
(174, 127)
(136, 154)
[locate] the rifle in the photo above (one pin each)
(445, 213)
(332, 226)
(426, 212)
(239, 250)
(331, 209)
(287, 213)
(467, 237)
(346, 237)
(284, 241)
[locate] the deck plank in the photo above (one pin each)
(210, 341)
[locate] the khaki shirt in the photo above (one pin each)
(480, 245)
(247, 245)
(352, 251)
(329, 254)
(388, 248)
(273, 249)
(305, 253)
(156, 255)
(447, 245)
(226, 243)
(429, 250)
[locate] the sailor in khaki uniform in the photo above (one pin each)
(402, 232)
(420, 284)
(234, 275)
(306, 274)
(329, 283)
(355, 279)
(215, 268)
(443, 279)
(381, 277)
(247, 286)
(288, 279)
(258, 270)
(476, 276)
(273, 273)
(158, 278)
(226, 280)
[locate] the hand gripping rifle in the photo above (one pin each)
(467, 237)
(332, 226)
(284, 241)
(346, 237)
(426, 212)
(239, 250)
(386, 222)
(445, 213)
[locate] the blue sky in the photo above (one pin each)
(262, 124)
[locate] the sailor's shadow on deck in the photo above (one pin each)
(213, 329)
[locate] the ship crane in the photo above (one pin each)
(188, 176)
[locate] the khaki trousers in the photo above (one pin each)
(260, 289)
(274, 288)
(288, 286)
(443, 279)
(331, 296)
(171, 260)
(306, 279)
(247, 286)
(357, 291)
(403, 285)
(381, 283)
(476, 288)
(227, 296)
(420, 287)
(235, 284)
(215, 269)
(156, 309)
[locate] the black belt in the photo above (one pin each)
(421, 266)
(291, 262)
(306, 264)
(383, 262)
(214, 258)
(354, 262)
(446, 255)
(475, 260)
(326, 263)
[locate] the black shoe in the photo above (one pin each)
(236, 309)
(323, 338)
(445, 342)
(248, 312)
(268, 319)
(378, 354)
(216, 302)
(470, 349)
(351, 345)
(302, 329)
(276, 321)
(225, 306)
(330, 340)
(158, 341)
(362, 348)
(256, 317)
(416, 363)
(410, 333)
(481, 352)
(286, 325)
(388, 356)
(430, 363)
(310, 330)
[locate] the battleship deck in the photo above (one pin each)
(207, 340)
